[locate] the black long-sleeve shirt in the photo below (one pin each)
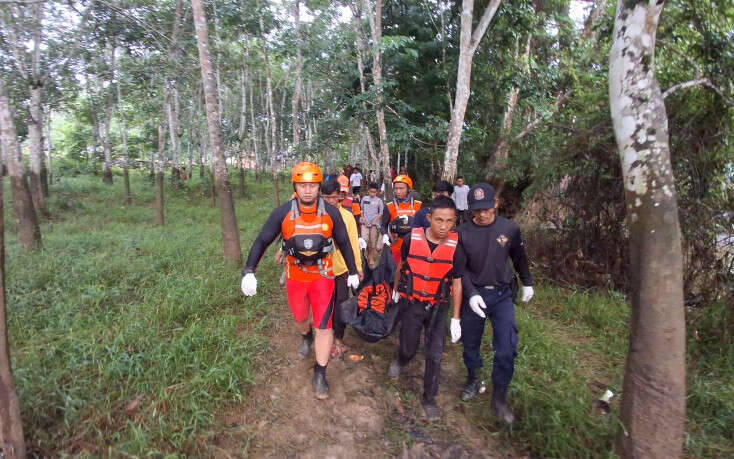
(272, 229)
(488, 251)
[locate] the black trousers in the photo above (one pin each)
(341, 294)
(415, 317)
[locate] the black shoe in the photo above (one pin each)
(499, 406)
(395, 369)
(433, 414)
(304, 349)
(471, 389)
(320, 386)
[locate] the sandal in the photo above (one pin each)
(337, 350)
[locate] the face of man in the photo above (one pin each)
(342, 196)
(400, 189)
(372, 192)
(483, 217)
(307, 192)
(441, 220)
(332, 198)
(460, 182)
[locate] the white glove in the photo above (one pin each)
(249, 284)
(395, 296)
(527, 294)
(353, 281)
(476, 303)
(362, 243)
(455, 330)
(386, 239)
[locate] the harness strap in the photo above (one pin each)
(429, 259)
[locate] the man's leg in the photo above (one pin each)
(298, 304)
(472, 329)
(341, 294)
(435, 325)
(504, 341)
(320, 294)
(411, 323)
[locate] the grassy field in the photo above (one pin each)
(129, 339)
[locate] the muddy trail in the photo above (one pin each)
(366, 415)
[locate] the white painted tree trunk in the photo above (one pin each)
(468, 43)
(653, 396)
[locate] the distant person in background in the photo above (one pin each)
(398, 220)
(355, 180)
(461, 191)
(441, 188)
(372, 209)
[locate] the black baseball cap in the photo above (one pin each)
(481, 196)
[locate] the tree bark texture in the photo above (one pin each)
(123, 134)
(35, 136)
(653, 400)
(271, 115)
(468, 43)
(160, 207)
(107, 144)
(29, 234)
(298, 85)
(230, 235)
(359, 46)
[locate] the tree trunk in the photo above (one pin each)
(107, 144)
(375, 21)
(654, 393)
(35, 136)
(271, 115)
(230, 235)
(468, 43)
(123, 134)
(11, 425)
(297, 88)
(29, 234)
(159, 178)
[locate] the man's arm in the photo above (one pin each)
(456, 293)
(270, 230)
(341, 237)
(354, 241)
(520, 259)
(385, 221)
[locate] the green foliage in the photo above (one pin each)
(114, 308)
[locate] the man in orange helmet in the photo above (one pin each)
(398, 220)
(309, 227)
(349, 203)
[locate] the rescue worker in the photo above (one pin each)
(349, 202)
(398, 220)
(490, 242)
(309, 228)
(441, 188)
(330, 193)
(427, 277)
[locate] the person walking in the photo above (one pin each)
(427, 278)
(355, 181)
(490, 242)
(441, 188)
(309, 227)
(372, 209)
(398, 220)
(459, 195)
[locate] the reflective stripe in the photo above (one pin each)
(308, 226)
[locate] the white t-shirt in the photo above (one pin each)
(356, 179)
(459, 196)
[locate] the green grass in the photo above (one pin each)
(114, 308)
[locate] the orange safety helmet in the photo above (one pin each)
(402, 178)
(343, 182)
(305, 172)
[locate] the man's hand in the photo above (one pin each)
(353, 281)
(386, 239)
(395, 296)
(476, 303)
(455, 330)
(362, 243)
(249, 284)
(279, 256)
(527, 294)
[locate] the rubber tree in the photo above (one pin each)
(468, 43)
(654, 392)
(271, 111)
(230, 235)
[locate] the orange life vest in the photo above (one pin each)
(352, 206)
(426, 276)
(308, 243)
(402, 226)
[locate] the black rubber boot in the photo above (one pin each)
(395, 369)
(433, 414)
(304, 349)
(471, 389)
(320, 386)
(499, 406)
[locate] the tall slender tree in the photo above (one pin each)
(230, 235)
(654, 390)
(271, 111)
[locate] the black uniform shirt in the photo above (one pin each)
(459, 256)
(488, 250)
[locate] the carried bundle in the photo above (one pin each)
(371, 311)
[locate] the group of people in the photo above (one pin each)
(454, 256)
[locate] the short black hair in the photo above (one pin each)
(373, 186)
(442, 202)
(460, 177)
(441, 186)
(329, 187)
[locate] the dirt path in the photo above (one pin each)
(367, 414)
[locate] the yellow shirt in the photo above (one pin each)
(340, 266)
